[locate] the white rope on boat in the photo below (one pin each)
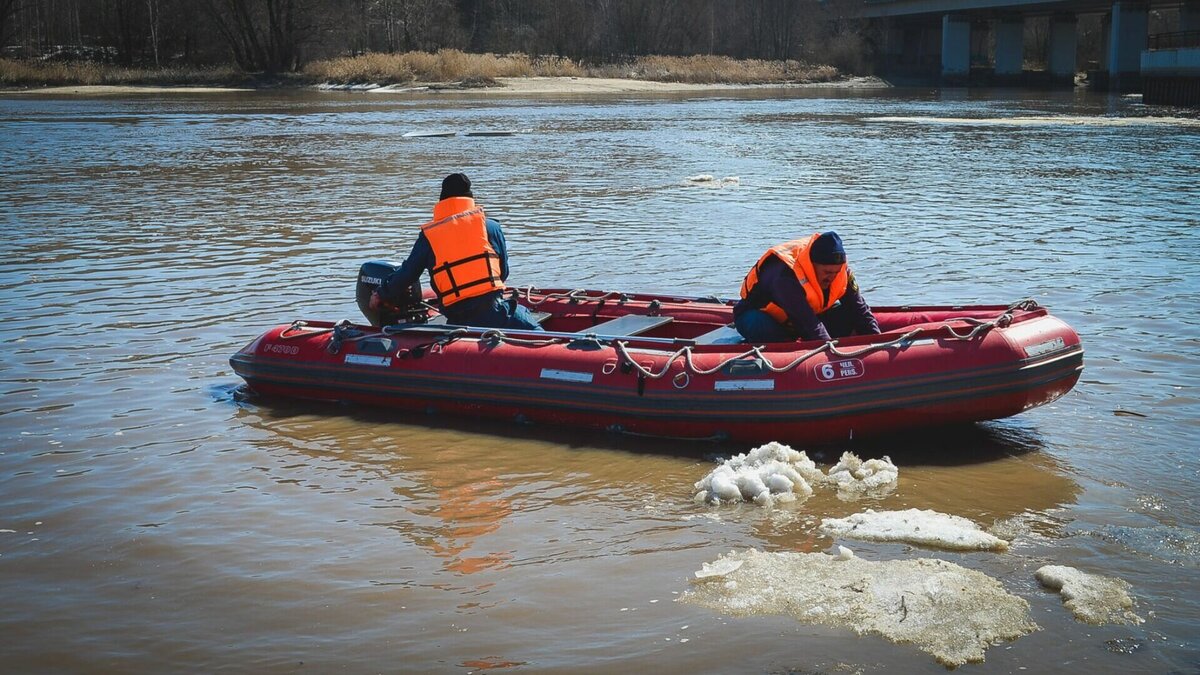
(498, 336)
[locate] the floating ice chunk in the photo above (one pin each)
(712, 181)
(843, 553)
(1091, 598)
(767, 474)
(946, 610)
(855, 477)
(719, 568)
(914, 526)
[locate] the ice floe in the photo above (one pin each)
(854, 477)
(775, 473)
(1092, 598)
(709, 179)
(914, 526)
(767, 474)
(948, 611)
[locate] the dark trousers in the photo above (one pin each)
(492, 310)
(757, 326)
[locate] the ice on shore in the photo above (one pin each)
(1092, 598)
(775, 473)
(914, 526)
(948, 611)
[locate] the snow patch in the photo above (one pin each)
(948, 611)
(1092, 598)
(914, 526)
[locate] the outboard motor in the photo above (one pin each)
(370, 277)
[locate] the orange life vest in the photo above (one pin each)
(795, 254)
(465, 264)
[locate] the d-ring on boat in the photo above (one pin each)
(673, 366)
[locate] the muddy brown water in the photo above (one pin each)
(153, 521)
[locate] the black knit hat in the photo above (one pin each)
(827, 250)
(456, 185)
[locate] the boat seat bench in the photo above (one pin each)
(725, 335)
(630, 324)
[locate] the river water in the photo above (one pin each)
(153, 521)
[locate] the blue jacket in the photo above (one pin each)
(420, 259)
(777, 283)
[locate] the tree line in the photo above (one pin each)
(276, 36)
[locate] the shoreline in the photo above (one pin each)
(505, 86)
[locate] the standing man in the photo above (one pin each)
(467, 260)
(802, 289)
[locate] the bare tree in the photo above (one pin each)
(262, 35)
(8, 16)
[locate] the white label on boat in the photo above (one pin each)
(565, 375)
(1045, 347)
(365, 360)
(839, 370)
(743, 385)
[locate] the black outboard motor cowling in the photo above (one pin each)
(370, 277)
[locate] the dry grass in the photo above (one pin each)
(444, 66)
(15, 73)
(724, 70)
(451, 65)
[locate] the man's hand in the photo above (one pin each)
(375, 301)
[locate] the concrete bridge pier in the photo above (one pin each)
(1064, 38)
(1009, 59)
(956, 48)
(1126, 40)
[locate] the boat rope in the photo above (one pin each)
(576, 296)
(344, 331)
(497, 336)
(830, 347)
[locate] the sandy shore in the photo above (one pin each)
(600, 85)
(531, 86)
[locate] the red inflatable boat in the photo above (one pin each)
(669, 366)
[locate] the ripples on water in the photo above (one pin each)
(149, 520)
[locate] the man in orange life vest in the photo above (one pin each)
(803, 290)
(467, 260)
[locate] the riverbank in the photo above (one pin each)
(516, 86)
(446, 70)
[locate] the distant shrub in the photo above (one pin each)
(19, 73)
(452, 66)
(446, 65)
(368, 68)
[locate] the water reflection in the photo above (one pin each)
(468, 503)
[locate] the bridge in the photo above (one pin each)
(948, 37)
